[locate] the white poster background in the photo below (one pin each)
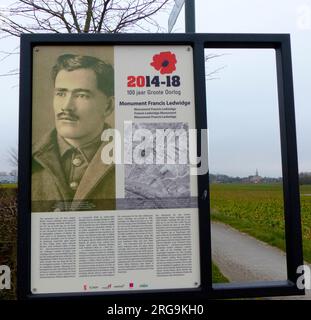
(130, 280)
(135, 61)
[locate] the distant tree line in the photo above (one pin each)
(222, 178)
(305, 178)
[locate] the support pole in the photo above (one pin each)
(189, 16)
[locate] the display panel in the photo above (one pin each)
(113, 190)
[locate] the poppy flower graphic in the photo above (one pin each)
(164, 62)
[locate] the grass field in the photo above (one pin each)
(218, 277)
(8, 230)
(254, 209)
(257, 209)
(8, 186)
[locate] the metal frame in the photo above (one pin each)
(189, 16)
(281, 44)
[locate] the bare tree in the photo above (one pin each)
(79, 16)
(214, 74)
(82, 16)
(13, 157)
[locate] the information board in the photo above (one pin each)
(113, 191)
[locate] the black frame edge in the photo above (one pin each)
(24, 171)
(279, 42)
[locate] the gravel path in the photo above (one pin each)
(242, 258)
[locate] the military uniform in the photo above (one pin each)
(65, 178)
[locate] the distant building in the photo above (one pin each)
(256, 178)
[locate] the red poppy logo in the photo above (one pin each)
(164, 62)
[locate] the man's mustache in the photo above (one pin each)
(67, 116)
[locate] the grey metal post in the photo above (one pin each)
(189, 16)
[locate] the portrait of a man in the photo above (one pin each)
(67, 170)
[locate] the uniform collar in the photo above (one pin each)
(87, 150)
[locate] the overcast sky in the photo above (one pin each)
(242, 101)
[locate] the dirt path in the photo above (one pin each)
(242, 258)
